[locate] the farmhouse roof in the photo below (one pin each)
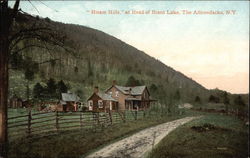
(105, 96)
(70, 97)
(137, 90)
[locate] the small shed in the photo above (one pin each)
(69, 102)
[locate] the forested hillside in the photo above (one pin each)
(95, 59)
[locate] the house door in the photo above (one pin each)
(64, 107)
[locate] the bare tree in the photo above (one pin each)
(44, 37)
(6, 18)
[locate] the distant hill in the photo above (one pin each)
(98, 60)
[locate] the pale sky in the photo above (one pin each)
(211, 49)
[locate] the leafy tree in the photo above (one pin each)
(61, 88)
(128, 68)
(226, 100)
(142, 82)
(167, 80)
(211, 98)
(177, 95)
(139, 71)
(132, 82)
(79, 92)
(52, 63)
(38, 91)
(76, 69)
(153, 88)
(197, 99)
(47, 19)
(29, 76)
(51, 88)
(150, 73)
(103, 67)
(238, 101)
(26, 65)
(214, 99)
(30, 68)
(16, 60)
(90, 71)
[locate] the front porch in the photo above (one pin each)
(136, 104)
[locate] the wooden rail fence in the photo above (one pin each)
(43, 123)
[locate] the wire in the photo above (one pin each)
(34, 6)
(48, 6)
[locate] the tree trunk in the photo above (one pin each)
(4, 77)
(27, 91)
(3, 96)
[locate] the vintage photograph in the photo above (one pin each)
(124, 79)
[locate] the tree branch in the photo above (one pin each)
(30, 46)
(47, 61)
(14, 12)
(25, 31)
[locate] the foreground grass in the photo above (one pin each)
(213, 135)
(80, 142)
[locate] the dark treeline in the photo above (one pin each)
(52, 90)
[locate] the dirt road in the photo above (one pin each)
(136, 145)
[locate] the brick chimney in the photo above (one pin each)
(130, 91)
(96, 89)
(113, 82)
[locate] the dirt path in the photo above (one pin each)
(136, 145)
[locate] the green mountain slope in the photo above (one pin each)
(100, 58)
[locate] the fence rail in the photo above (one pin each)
(35, 124)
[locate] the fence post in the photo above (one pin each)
(81, 123)
(98, 120)
(94, 119)
(29, 123)
(57, 121)
(136, 115)
(124, 115)
(110, 117)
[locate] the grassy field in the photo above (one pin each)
(213, 135)
(80, 142)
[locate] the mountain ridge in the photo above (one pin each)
(102, 58)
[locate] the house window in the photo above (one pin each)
(110, 93)
(117, 94)
(100, 104)
(90, 104)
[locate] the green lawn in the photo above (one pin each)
(212, 136)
